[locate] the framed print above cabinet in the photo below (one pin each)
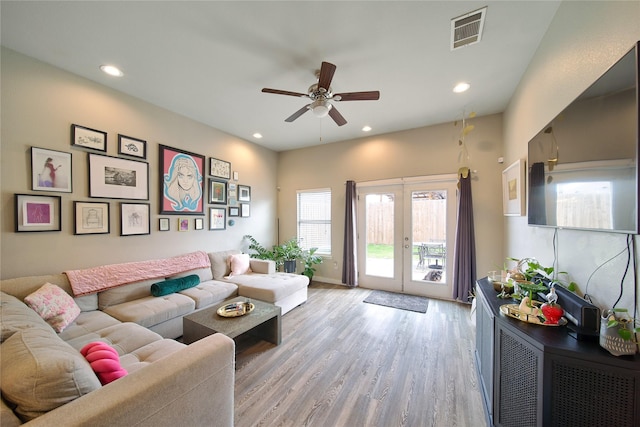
(116, 178)
(91, 217)
(132, 146)
(181, 182)
(219, 168)
(50, 170)
(88, 138)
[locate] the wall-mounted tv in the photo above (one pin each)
(583, 166)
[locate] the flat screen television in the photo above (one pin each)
(583, 166)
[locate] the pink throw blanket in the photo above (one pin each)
(91, 280)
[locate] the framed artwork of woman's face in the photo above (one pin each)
(182, 182)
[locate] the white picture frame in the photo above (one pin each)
(116, 178)
(513, 189)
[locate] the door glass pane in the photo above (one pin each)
(429, 225)
(379, 217)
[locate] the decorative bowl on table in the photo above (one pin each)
(236, 309)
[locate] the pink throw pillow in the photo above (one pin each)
(239, 264)
(54, 305)
(104, 361)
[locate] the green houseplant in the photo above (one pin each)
(309, 259)
(286, 255)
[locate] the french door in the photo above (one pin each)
(406, 235)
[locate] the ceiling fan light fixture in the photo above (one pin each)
(320, 107)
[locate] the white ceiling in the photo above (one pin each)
(209, 60)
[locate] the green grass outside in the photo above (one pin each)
(383, 251)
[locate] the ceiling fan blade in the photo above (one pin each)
(326, 75)
(284, 92)
(297, 113)
(358, 96)
(337, 117)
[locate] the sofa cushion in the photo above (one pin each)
(54, 305)
(149, 353)
(211, 292)
(16, 316)
(270, 287)
(125, 293)
(87, 325)
(238, 264)
(178, 284)
(219, 265)
(40, 372)
(150, 311)
(124, 337)
(204, 274)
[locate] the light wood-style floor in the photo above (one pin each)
(343, 362)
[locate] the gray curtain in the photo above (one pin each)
(350, 258)
(464, 262)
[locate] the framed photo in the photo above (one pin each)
(37, 213)
(183, 224)
(232, 194)
(181, 182)
(217, 218)
(513, 189)
(245, 210)
(91, 217)
(217, 191)
(244, 193)
(198, 224)
(88, 138)
(219, 168)
(116, 178)
(132, 146)
(134, 219)
(234, 211)
(50, 170)
(163, 224)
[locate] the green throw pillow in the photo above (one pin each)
(174, 285)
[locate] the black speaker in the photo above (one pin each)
(584, 315)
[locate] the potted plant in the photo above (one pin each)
(618, 332)
(288, 253)
(309, 259)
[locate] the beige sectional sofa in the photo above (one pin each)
(46, 381)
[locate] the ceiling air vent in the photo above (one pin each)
(467, 29)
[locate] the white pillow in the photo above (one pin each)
(54, 305)
(239, 264)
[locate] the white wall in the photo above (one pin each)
(430, 150)
(39, 104)
(582, 42)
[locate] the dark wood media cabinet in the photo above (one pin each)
(534, 375)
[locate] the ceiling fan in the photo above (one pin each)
(321, 96)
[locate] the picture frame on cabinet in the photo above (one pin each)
(181, 182)
(219, 168)
(51, 170)
(217, 218)
(116, 178)
(135, 219)
(82, 136)
(37, 213)
(91, 217)
(132, 146)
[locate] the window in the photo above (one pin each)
(314, 220)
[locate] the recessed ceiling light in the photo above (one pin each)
(111, 70)
(257, 135)
(366, 129)
(461, 87)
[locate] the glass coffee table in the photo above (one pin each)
(263, 322)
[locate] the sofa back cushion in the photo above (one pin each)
(219, 263)
(125, 293)
(22, 286)
(39, 372)
(205, 274)
(16, 316)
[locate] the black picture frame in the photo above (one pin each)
(133, 147)
(234, 211)
(219, 168)
(37, 213)
(118, 178)
(217, 191)
(51, 170)
(164, 224)
(135, 219)
(244, 193)
(217, 218)
(85, 137)
(91, 217)
(175, 197)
